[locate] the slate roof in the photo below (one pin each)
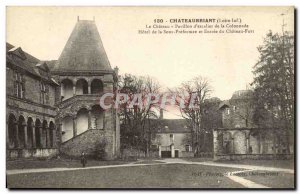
(173, 126)
(83, 51)
(27, 62)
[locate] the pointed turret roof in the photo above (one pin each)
(84, 50)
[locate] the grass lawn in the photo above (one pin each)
(56, 163)
(271, 179)
(156, 176)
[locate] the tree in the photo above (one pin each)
(274, 83)
(136, 128)
(198, 90)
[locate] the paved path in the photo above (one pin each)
(246, 183)
(25, 171)
(232, 176)
(240, 166)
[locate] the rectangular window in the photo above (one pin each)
(43, 92)
(228, 111)
(19, 85)
(172, 138)
(187, 148)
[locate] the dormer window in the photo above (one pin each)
(18, 52)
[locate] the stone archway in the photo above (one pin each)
(66, 89)
(240, 142)
(22, 132)
(81, 87)
(97, 120)
(96, 86)
(67, 128)
(82, 121)
(38, 133)
(12, 132)
(30, 132)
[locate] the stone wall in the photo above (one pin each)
(31, 88)
(87, 142)
(253, 156)
(238, 114)
(31, 153)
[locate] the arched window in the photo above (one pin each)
(96, 86)
(81, 87)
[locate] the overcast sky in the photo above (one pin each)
(227, 59)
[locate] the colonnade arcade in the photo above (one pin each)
(80, 86)
(29, 133)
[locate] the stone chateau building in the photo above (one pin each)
(240, 138)
(53, 106)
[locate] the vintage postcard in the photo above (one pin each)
(150, 97)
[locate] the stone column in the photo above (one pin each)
(90, 120)
(17, 135)
(48, 137)
(60, 132)
(54, 137)
(159, 151)
(172, 151)
(74, 90)
(62, 89)
(216, 143)
(41, 136)
(33, 137)
(26, 136)
(89, 88)
(74, 127)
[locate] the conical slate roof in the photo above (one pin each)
(84, 50)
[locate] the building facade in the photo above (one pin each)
(68, 97)
(240, 138)
(173, 139)
(31, 129)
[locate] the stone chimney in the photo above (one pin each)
(161, 113)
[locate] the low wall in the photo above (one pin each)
(31, 153)
(187, 154)
(252, 156)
